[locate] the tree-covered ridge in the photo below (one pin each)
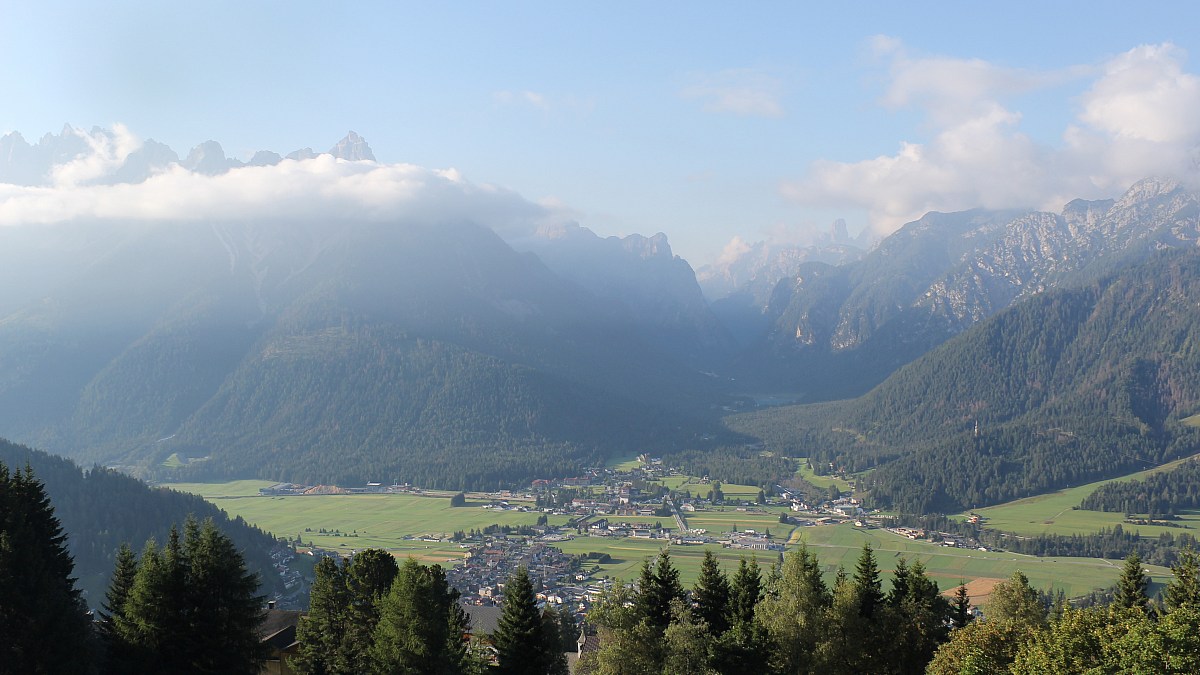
(101, 509)
(339, 353)
(1157, 495)
(1067, 387)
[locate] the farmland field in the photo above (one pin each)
(820, 481)
(1055, 512)
(397, 523)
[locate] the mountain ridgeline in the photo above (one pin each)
(101, 509)
(339, 352)
(836, 331)
(1066, 387)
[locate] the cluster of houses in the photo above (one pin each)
(941, 538)
(558, 578)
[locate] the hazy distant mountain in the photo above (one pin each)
(1063, 388)
(353, 147)
(838, 331)
(657, 288)
(22, 163)
(334, 352)
(740, 283)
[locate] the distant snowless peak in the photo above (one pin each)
(111, 175)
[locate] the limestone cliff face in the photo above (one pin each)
(939, 275)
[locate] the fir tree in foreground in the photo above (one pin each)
(191, 607)
(43, 622)
(527, 643)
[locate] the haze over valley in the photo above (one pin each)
(781, 341)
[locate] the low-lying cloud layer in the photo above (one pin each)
(317, 188)
(1139, 117)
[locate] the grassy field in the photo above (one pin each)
(1055, 512)
(821, 481)
(397, 523)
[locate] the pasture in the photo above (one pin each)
(1055, 512)
(397, 523)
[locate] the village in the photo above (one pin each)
(607, 505)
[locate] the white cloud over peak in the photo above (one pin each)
(1139, 117)
(319, 188)
(739, 91)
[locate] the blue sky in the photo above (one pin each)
(702, 120)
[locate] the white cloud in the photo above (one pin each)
(737, 91)
(1145, 94)
(532, 98)
(1138, 118)
(319, 188)
(108, 151)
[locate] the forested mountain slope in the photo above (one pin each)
(337, 352)
(1066, 387)
(100, 509)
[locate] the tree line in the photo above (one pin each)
(1131, 634)
(787, 620)
(1158, 495)
(370, 615)
(190, 606)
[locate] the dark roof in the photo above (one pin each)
(485, 619)
(276, 620)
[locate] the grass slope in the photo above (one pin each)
(1055, 512)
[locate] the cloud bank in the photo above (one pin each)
(738, 91)
(1139, 116)
(317, 188)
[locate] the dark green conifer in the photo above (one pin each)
(523, 640)
(322, 631)
(744, 592)
(43, 622)
(1131, 587)
(711, 595)
(960, 614)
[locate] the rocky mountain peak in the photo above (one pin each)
(352, 148)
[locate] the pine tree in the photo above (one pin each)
(1184, 587)
(1131, 587)
(226, 609)
(116, 656)
(867, 585)
(711, 595)
(323, 630)
(960, 614)
(421, 627)
(744, 592)
(656, 589)
(521, 638)
(794, 614)
(44, 622)
(192, 607)
(369, 576)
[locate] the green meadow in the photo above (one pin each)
(809, 475)
(1056, 512)
(397, 523)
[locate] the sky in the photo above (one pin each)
(716, 123)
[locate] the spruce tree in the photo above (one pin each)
(116, 656)
(656, 589)
(1131, 587)
(323, 629)
(192, 607)
(866, 581)
(1184, 587)
(369, 577)
(960, 610)
(421, 627)
(744, 592)
(42, 618)
(521, 640)
(711, 595)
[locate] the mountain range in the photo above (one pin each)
(346, 348)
